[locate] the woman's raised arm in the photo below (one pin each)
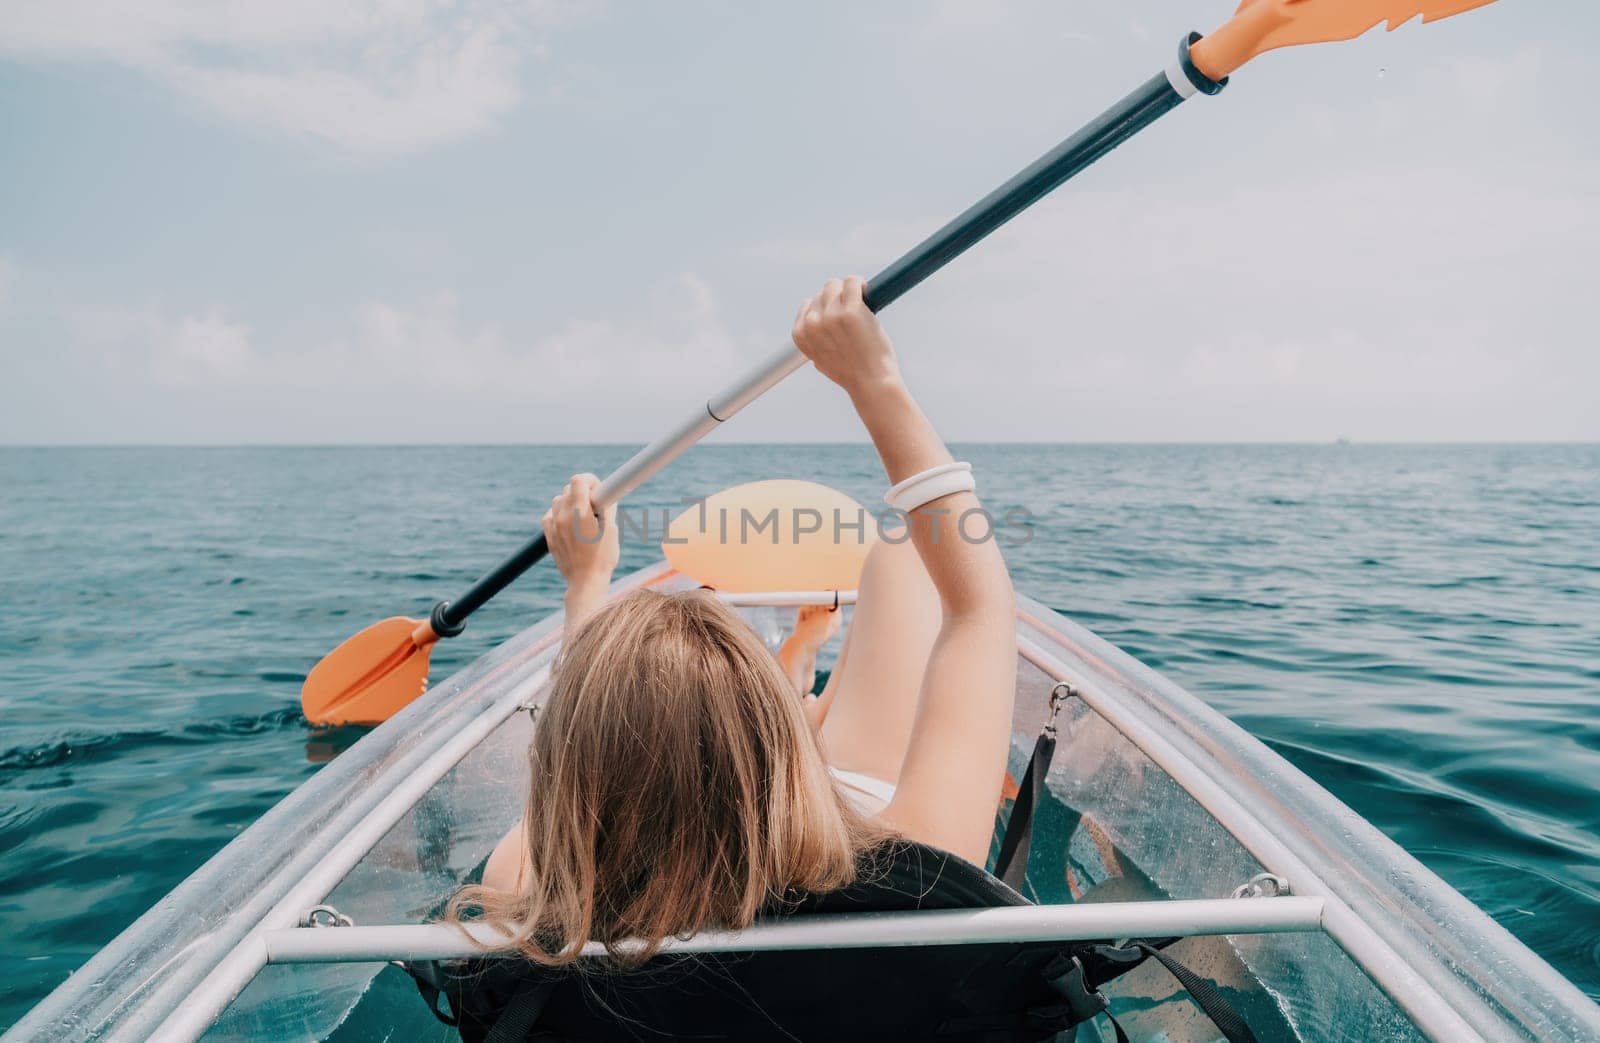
(950, 783)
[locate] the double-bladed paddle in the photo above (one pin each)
(378, 671)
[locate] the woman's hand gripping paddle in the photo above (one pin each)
(377, 672)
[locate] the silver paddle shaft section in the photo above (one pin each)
(720, 407)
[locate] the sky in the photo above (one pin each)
(409, 221)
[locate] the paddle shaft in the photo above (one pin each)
(1158, 96)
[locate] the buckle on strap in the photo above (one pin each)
(1070, 980)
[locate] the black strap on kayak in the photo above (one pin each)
(1011, 865)
(1205, 995)
(425, 974)
(1076, 976)
(1079, 978)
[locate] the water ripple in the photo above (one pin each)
(90, 745)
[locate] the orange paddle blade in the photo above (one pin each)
(372, 676)
(1263, 25)
(781, 534)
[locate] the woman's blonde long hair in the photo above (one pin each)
(675, 787)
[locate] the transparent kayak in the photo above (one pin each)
(1162, 811)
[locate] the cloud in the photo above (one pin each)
(367, 75)
(1503, 81)
(203, 348)
(858, 248)
(432, 348)
(397, 368)
(143, 346)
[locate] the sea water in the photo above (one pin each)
(1416, 627)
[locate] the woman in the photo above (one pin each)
(678, 781)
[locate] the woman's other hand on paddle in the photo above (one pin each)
(844, 340)
(585, 545)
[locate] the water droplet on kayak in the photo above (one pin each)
(1382, 73)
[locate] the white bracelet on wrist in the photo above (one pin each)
(926, 486)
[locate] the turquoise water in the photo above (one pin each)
(1418, 628)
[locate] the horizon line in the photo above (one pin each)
(756, 443)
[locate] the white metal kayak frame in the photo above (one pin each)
(1217, 763)
(1037, 923)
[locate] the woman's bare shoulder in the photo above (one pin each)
(503, 871)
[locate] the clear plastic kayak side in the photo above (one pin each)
(1444, 965)
(1155, 796)
(405, 878)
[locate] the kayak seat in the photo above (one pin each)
(1010, 992)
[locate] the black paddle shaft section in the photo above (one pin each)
(1117, 124)
(450, 617)
(1114, 126)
